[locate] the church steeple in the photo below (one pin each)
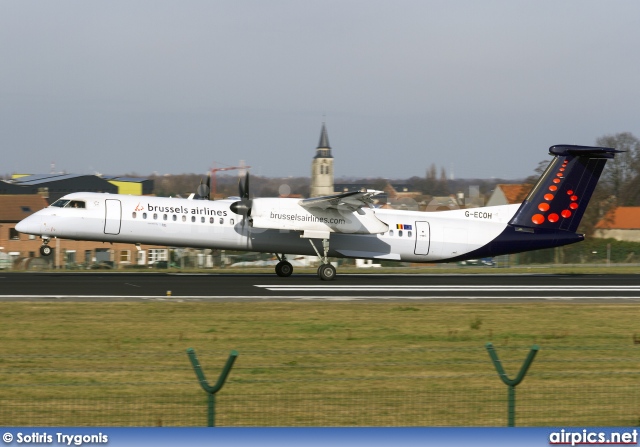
(322, 167)
(324, 149)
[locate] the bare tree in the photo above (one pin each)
(620, 176)
(533, 178)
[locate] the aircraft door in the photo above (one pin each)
(113, 216)
(423, 238)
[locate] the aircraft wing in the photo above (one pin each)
(348, 200)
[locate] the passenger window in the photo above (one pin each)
(184, 218)
(409, 233)
(231, 221)
(211, 220)
(400, 233)
(175, 217)
(155, 216)
(390, 232)
(221, 221)
(202, 219)
(134, 214)
(193, 218)
(164, 217)
(144, 215)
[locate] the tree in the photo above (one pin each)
(533, 178)
(619, 181)
(434, 186)
(431, 179)
(620, 176)
(443, 183)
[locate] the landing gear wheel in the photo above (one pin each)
(327, 272)
(284, 269)
(45, 250)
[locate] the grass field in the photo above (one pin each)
(316, 363)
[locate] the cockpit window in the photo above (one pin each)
(60, 203)
(64, 203)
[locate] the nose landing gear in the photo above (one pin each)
(45, 250)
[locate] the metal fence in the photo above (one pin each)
(607, 405)
(565, 387)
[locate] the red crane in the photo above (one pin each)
(213, 175)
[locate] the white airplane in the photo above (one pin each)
(342, 225)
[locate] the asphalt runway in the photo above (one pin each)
(301, 287)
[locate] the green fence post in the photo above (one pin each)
(211, 390)
(511, 383)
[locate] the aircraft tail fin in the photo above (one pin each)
(560, 197)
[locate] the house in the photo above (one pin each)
(621, 223)
(509, 194)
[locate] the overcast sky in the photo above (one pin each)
(483, 87)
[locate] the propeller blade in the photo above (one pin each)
(240, 189)
(243, 206)
(203, 191)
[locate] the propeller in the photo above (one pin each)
(243, 206)
(204, 189)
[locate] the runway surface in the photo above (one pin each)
(365, 287)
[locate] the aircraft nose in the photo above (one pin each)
(30, 225)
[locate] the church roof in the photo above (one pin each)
(324, 138)
(323, 150)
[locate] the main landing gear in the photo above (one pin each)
(284, 267)
(45, 250)
(326, 271)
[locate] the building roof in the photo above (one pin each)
(14, 208)
(621, 218)
(323, 150)
(515, 193)
(117, 178)
(350, 186)
(324, 138)
(36, 179)
(57, 185)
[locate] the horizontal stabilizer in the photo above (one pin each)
(583, 151)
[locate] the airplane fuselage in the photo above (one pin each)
(345, 224)
(371, 233)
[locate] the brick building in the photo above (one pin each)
(22, 251)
